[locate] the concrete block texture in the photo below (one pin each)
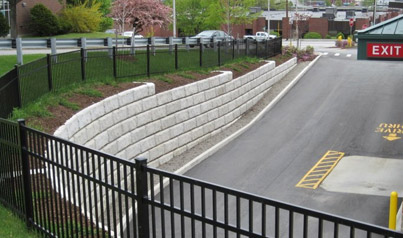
(138, 122)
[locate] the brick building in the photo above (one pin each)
(20, 14)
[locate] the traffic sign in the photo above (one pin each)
(351, 22)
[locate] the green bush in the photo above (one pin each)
(43, 22)
(106, 23)
(328, 36)
(83, 17)
(340, 34)
(274, 33)
(312, 35)
(4, 27)
(65, 26)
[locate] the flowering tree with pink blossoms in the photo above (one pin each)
(140, 14)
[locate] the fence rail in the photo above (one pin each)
(63, 189)
(27, 82)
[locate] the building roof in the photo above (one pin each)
(392, 26)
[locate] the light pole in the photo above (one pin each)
(174, 13)
(268, 17)
(374, 18)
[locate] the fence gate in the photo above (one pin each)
(11, 179)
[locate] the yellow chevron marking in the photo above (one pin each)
(320, 170)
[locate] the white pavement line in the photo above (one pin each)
(337, 54)
(326, 53)
(348, 55)
(230, 138)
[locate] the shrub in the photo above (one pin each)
(312, 35)
(344, 44)
(340, 34)
(43, 22)
(328, 36)
(83, 17)
(274, 33)
(306, 54)
(106, 23)
(4, 27)
(65, 26)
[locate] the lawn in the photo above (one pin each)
(7, 62)
(13, 227)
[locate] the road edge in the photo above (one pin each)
(230, 138)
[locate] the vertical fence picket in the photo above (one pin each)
(142, 191)
(26, 174)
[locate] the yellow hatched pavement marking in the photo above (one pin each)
(320, 170)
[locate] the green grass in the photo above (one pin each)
(78, 35)
(13, 227)
(186, 75)
(7, 62)
(90, 92)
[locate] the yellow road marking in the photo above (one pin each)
(320, 170)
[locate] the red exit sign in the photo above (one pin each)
(384, 50)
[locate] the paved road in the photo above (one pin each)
(338, 105)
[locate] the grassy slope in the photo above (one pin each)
(7, 62)
(11, 226)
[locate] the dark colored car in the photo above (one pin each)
(211, 34)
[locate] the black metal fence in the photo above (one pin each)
(26, 83)
(66, 190)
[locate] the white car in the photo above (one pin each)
(130, 34)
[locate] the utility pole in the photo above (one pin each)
(374, 18)
(268, 17)
(174, 13)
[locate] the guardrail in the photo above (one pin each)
(96, 42)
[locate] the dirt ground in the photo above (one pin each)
(60, 113)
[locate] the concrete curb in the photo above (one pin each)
(227, 140)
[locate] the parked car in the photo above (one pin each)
(130, 34)
(111, 31)
(260, 35)
(211, 34)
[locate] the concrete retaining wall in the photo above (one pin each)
(139, 122)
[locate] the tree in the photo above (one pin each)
(83, 17)
(43, 22)
(328, 3)
(4, 27)
(338, 3)
(140, 13)
(236, 12)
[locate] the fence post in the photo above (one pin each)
(233, 49)
(148, 60)
(219, 53)
(17, 75)
(49, 62)
(110, 46)
(257, 48)
(18, 42)
(187, 43)
(176, 56)
(114, 61)
(142, 193)
(201, 54)
(266, 48)
(53, 46)
(26, 176)
(153, 45)
(246, 47)
(171, 43)
(83, 59)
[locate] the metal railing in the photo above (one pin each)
(63, 189)
(27, 82)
